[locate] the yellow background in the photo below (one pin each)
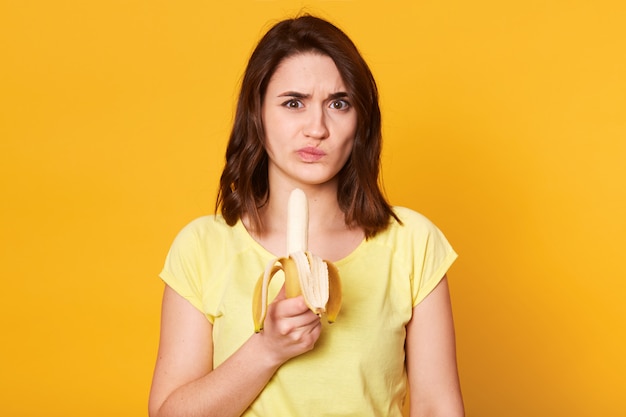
(505, 123)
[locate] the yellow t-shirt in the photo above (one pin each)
(357, 366)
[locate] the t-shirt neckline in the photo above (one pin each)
(244, 231)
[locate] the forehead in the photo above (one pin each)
(307, 69)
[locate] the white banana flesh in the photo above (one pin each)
(297, 222)
(305, 273)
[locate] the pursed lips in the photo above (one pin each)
(311, 154)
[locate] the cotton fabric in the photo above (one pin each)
(357, 367)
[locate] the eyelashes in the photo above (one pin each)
(336, 104)
(340, 104)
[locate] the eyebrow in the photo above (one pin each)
(295, 94)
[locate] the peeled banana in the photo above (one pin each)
(305, 273)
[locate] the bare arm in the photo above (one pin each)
(185, 383)
(431, 358)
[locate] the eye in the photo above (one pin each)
(293, 104)
(339, 105)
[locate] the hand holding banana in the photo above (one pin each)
(305, 273)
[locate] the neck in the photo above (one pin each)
(329, 236)
(323, 207)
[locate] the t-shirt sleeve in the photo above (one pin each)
(432, 257)
(182, 268)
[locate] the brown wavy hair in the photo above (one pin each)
(244, 186)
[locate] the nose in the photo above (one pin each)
(316, 126)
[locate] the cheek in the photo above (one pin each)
(268, 132)
(346, 150)
(276, 126)
(274, 141)
(350, 134)
(351, 125)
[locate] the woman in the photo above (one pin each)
(307, 117)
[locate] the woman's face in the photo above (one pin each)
(308, 119)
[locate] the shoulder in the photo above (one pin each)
(202, 231)
(423, 246)
(203, 225)
(412, 222)
(414, 233)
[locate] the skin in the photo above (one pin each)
(309, 122)
(431, 358)
(309, 126)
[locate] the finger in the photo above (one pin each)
(306, 320)
(290, 307)
(311, 333)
